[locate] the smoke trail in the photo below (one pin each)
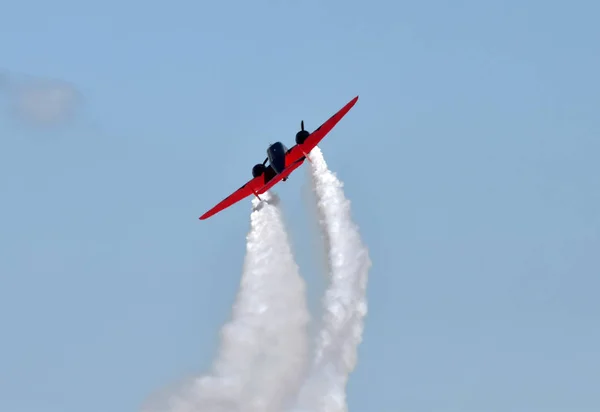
(263, 352)
(344, 303)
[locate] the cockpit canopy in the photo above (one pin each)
(276, 150)
(276, 155)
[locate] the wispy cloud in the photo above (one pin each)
(38, 101)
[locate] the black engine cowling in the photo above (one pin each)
(301, 136)
(258, 170)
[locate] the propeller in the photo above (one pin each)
(265, 162)
(302, 130)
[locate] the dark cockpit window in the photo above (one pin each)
(276, 149)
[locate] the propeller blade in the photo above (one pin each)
(302, 125)
(265, 162)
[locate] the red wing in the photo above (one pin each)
(236, 196)
(315, 137)
(258, 184)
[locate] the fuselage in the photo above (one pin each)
(276, 154)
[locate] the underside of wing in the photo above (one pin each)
(235, 197)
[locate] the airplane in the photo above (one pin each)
(282, 162)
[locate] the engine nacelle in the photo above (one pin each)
(301, 136)
(258, 170)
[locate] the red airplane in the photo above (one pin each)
(283, 161)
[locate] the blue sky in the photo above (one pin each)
(471, 160)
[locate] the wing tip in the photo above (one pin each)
(352, 102)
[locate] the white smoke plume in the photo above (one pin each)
(263, 363)
(37, 101)
(263, 353)
(344, 303)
